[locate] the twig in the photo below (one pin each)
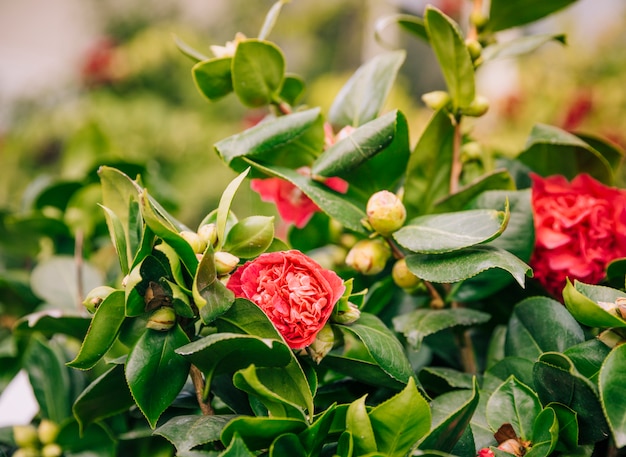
(457, 166)
(198, 383)
(477, 10)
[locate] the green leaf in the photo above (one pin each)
(213, 77)
(287, 444)
(260, 432)
(314, 437)
(466, 263)
(613, 153)
(223, 209)
(266, 140)
(103, 331)
(514, 403)
(382, 345)
(588, 304)
(362, 98)
(328, 201)
(258, 69)
(51, 322)
(210, 295)
(96, 440)
(568, 426)
(407, 22)
(588, 357)
(454, 59)
(531, 328)
(448, 232)
(187, 432)
(365, 371)
(245, 317)
(556, 380)
(188, 50)
(155, 373)
(519, 46)
(400, 422)
(359, 425)
(611, 383)
(504, 14)
(545, 433)
(270, 19)
(440, 380)
(96, 402)
(139, 279)
(237, 448)
(519, 367)
(292, 90)
(420, 323)
(452, 413)
(550, 150)
(250, 237)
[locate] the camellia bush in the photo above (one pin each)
(423, 297)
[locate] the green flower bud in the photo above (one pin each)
(322, 344)
(27, 452)
(47, 431)
(162, 319)
(194, 241)
(96, 296)
(471, 151)
(51, 450)
(225, 262)
(477, 108)
(368, 257)
(474, 48)
(25, 436)
(385, 212)
(437, 99)
(348, 316)
(208, 234)
(403, 277)
(478, 19)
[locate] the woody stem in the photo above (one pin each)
(199, 385)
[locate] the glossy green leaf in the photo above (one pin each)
(550, 150)
(53, 322)
(314, 437)
(245, 317)
(425, 321)
(407, 22)
(103, 331)
(556, 380)
(223, 209)
(155, 373)
(440, 380)
(362, 98)
(213, 77)
(516, 404)
(588, 357)
(531, 328)
(96, 440)
(568, 426)
(545, 433)
(588, 304)
(250, 237)
(287, 444)
(504, 14)
(454, 59)
(519, 46)
(96, 402)
(448, 232)
(187, 432)
(237, 448)
(519, 367)
(611, 151)
(260, 432)
(179, 298)
(138, 280)
(358, 424)
(210, 295)
(293, 89)
(359, 146)
(366, 371)
(265, 140)
(452, 413)
(329, 201)
(611, 383)
(466, 263)
(258, 69)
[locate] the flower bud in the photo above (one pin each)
(225, 262)
(208, 234)
(47, 431)
(611, 338)
(471, 151)
(194, 241)
(368, 257)
(162, 319)
(26, 452)
(437, 99)
(477, 107)
(474, 48)
(322, 344)
(385, 212)
(96, 296)
(51, 450)
(348, 316)
(478, 19)
(403, 277)
(25, 435)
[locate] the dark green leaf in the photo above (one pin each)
(613, 153)
(519, 46)
(590, 304)
(292, 90)
(187, 432)
(545, 433)
(57, 195)
(213, 77)
(314, 437)
(287, 444)
(237, 448)
(139, 279)
(412, 24)
(588, 357)
(440, 380)
(210, 295)
(362, 98)
(258, 69)
(611, 384)
(568, 426)
(516, 404)
(94, 441)
(519, 367)
(504, 14)
(260, 432)
(51, 323)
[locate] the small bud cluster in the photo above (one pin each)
(37, 441)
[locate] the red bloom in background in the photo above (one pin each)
(486, 452)
(579, 228)
(293, 290)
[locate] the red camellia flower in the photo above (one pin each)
(579, 228)
(486, 452)
(293, 290)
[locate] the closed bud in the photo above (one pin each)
(471, 151)
(322, 344)
(437, 99)
(25, 436)
(26, 452)
(474, 48)
(368, 257)
(96, 296)
(403, 277)
(51, 450)
(208, 234)
(225, 262)
(47, 431)
(478, 19)
(347, 316)
(194, 241)
(477, 107)
(162, 319)
(385, 212)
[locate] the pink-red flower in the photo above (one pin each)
(579, 228)
(486, 452)
(293, 290)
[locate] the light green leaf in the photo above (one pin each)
(260, 432)
(270, 19)
(187, 432)
(211, 296)
(519, 46)
(237, 448)
(454, 59)
(258, 69)
(213, 77)
(612, 390)
(516, 404)
(358, 424)
(545, 433)
(188, 50)
(223, 209)
(584, 302)
(287, 444)
(362, 98)
(407, 22)
(504, 14)
(250, 237)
